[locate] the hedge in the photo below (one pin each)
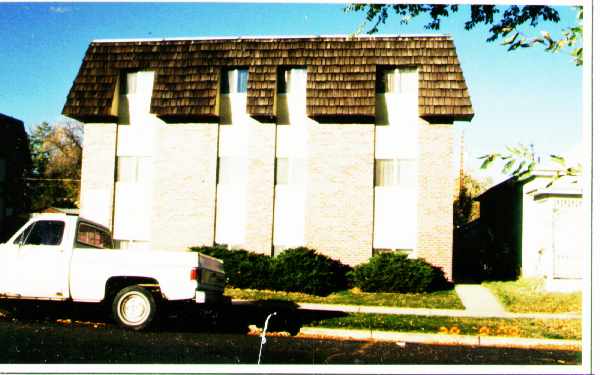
(395, 272)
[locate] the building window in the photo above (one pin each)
(128, 83)
(234, 81)
(390, 80)
(290, 171)
(291, 80)
(395, 172)
(229, 170)
(133, 169)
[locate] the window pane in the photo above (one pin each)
(297, 175)
(406, 172)
(384, 172)
(227, 80)
(92, 236)
(282, 171)
(46, 233)
(24, 234)
(144, 165)
(242, 81)
(282, 77)
(131, 83)
(126, 169)
(228, 170)
(388, 81)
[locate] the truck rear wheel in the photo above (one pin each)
(134, 307)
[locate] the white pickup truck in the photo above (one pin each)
(66, 258)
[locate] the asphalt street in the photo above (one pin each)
(40, 335)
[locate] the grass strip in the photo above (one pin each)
(531, 328)
(528, 296)
(436, 300)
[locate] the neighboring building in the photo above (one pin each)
(541, 225)
(14, 161)
(340, 144)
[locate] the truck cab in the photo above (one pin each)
(64, 257)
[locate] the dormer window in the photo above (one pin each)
(128, 83)
(291, 81)
(234, 81)
(135, 94)
(389, 81)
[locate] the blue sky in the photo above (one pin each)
(525, 96)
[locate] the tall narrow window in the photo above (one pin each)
(291, 80)
(395, 172)
(132, 169)
(389, 81)
(234, 81)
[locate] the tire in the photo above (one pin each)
(134, 308)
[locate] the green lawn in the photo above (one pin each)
(533, 328)
(437, 300)
(528, 296)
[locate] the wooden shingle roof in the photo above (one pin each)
(341, 75)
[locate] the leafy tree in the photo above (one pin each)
(507, 25)
(521, 161)
(56, 165)
(465, 207)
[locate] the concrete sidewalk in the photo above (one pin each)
(478, 300)
(440, 339)
(432, 312)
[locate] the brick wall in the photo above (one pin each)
(183, 210)
(435, 188)
(98, 172)
(339, 211)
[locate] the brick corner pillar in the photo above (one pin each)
(434, 197)
(98, 173)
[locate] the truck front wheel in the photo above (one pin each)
(134, 307)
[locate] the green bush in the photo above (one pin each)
(306, 271)
(395, 272)
(243, 269)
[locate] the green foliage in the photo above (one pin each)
(446, 299)
(56, 165)
(520, 161)
(527, 295)
(464, 208)
(395, 272)
(507, 25)
(306, 271)
(295, 270)
(243, 269)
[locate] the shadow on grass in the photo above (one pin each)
(176, 317)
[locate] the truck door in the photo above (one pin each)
(9, 261)
(43, 257)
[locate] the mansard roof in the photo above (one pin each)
(341, 73)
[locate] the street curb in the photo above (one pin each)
(433, 312)
(442, 339)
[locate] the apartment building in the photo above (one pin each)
(341, 144)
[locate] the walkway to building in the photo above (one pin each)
(478, 300)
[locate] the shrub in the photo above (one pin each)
(243, 269)
(304, 270)
(395, 272)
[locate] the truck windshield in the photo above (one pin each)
(91, 236)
